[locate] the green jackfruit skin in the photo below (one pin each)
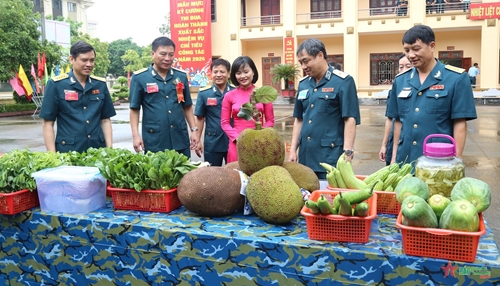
(258, 149)
(274, 196)
(232, 165)
(303, 176)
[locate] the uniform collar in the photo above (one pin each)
(326, 77)
(216, 90)
(76, 84)
(434, 77)
(155, 74)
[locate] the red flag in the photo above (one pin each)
(36, 79)
(40, 66)
(20, 83)
(25, 82)
(15, 85)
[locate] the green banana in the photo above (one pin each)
(362, 209)
(345, 206)
(324, 206)
(330, 178)
(313, 207)
(347, 172)
(327, 167)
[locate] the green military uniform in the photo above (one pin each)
(323, 107)
(428, 108)
(163, 123)
(209, 105)
(77, 111)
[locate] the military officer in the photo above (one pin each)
(429, 98)
(81, 105)
(326, 111)
(208, 110)
(163, 93)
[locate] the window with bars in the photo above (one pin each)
(57, 4)
(213, 11)
(382, 7)
(324, 9)
(71, 7)
(383, 68)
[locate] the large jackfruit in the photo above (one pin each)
(274, 196)
(303, 176)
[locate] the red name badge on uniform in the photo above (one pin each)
(70, 95)
(152, 88)
(95, 91)
(211, 101)
(436, 87)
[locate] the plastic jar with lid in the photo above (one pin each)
(439, 167)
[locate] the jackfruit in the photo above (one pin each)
(232, 165)
(303, 176)
(211, 191)
(274, 196)
(258, 149)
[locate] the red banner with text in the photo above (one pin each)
(190, 27)
(289, 50)
(481, 11)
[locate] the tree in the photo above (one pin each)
(146, 58)
(19, 36)
(131, 60)
(101, 64)
(54, 54)
(116, 50)
(165, 27)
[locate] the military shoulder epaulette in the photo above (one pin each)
(141, 71)
(205, 88)
(60, 77)
(403, 72)
(178, 70)
(340, 74)
(232, 85)
(98, 78)
(303, 78)
(455, 69)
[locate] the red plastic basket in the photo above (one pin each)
(386, 201)
(338, 227)
(13, 203)
(147, 200)
(441, 243)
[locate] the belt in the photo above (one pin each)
(471, 76)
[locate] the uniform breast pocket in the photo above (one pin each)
(95, 102)
(328, 103)
(70, 106)
(437, 101)
(404, 104)
(152, 97)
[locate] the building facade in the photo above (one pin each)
(75, 10)
(363, 36)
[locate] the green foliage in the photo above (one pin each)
(284, 72)
(146, 58)
(131, 60)
(20, 99)
(264, 94)
(164, 29)
(122, 81)
(18, 36)
(54, 54)
(30, 106)
(102, 60)
(116, 50)
(122, 88)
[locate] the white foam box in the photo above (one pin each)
(70, 189)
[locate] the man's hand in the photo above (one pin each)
(292, 157)
(199, 150)
(138, 144)
(382, 154)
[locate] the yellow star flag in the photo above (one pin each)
(26, 82)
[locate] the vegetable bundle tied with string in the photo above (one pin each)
(259, 147)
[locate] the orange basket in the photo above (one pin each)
(338, 227)
(147, 200)
(13, 203)
(441, 243)
(386, 201)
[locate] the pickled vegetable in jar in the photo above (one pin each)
(439, 167)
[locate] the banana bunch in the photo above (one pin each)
(385, 179)
(342, 204)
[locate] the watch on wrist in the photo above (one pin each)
(349, 152)
(193, 129)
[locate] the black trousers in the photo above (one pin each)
(472, 81)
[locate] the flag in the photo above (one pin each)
(15, 85)
(67, 69)
(25, 81)
(39, 66)
(46, 75)
(36, 79)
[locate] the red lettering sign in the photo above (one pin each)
(289, 52)
(191, 29)
(481, 11)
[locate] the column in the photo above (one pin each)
(351, 39)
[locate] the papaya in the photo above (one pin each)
(411, 186)
(418, 213)
(477, 192)
(460, 215)
(438, 204)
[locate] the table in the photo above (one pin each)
(109, 247)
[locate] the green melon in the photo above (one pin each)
(411, 186)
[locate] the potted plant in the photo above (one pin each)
(285, 73)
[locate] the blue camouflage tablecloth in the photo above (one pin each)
(112, 247)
